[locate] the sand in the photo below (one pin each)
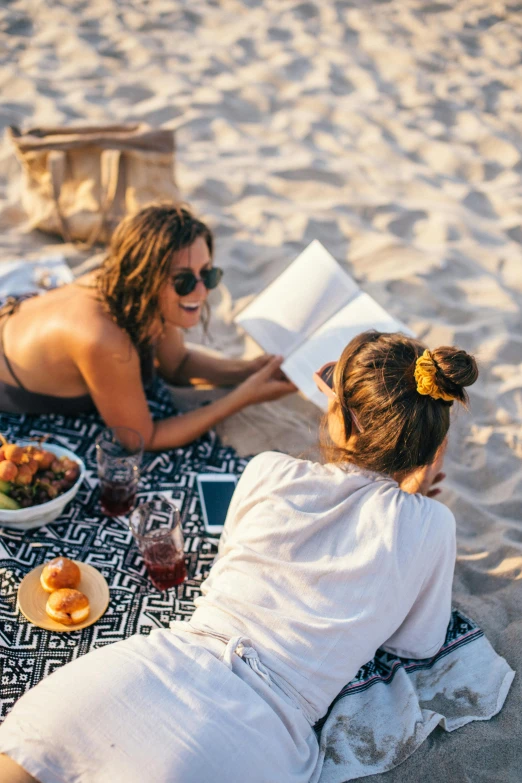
(390, 131)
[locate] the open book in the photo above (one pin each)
(309, 314)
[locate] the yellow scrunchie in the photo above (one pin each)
(425, 371)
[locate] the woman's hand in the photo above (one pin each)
(248, 367)
(268, 382)
(423, 480)
(431, 493)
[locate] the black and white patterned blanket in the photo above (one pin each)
(28, 653)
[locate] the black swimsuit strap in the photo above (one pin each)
(10, 306)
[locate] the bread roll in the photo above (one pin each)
(58, 573)
(68, 607)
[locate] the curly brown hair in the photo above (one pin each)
(400, 429)
(139, 261)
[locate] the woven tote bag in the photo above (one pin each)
(79, 182)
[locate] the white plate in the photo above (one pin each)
(32, 598)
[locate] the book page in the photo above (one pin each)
(297, 302)
(329, 341)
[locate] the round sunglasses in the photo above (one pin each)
(184, 282)
(324, 379)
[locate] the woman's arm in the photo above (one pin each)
(217, 370)
(427, 589)
(111, 370)
(263, 386)
(182, 366)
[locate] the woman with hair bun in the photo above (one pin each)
(319, 565)
(96, 343)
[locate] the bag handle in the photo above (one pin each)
(56, 166)
(109, 170)
(139, 137)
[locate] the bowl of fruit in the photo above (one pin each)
(36, 482)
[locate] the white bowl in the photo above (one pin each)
(42, 514)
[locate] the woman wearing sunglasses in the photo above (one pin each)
(319, 565)
(97, 342)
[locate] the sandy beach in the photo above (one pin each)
(390, 131)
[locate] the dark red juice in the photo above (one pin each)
(117, 499)
(165, 565)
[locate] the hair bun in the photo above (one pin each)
(455, 370)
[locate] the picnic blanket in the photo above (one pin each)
(376, 721)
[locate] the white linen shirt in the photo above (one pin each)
(319, 565)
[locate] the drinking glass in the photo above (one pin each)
(118, 452)
(156, 528)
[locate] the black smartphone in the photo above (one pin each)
(215, 492)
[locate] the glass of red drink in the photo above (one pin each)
(118, 452)
(156, 528)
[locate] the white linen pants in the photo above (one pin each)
(159, 709)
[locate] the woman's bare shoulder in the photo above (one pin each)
(70, 310)
(92, 326)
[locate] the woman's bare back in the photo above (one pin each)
(43, 338)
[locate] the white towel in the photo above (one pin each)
(20, 277)
(381, 717)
